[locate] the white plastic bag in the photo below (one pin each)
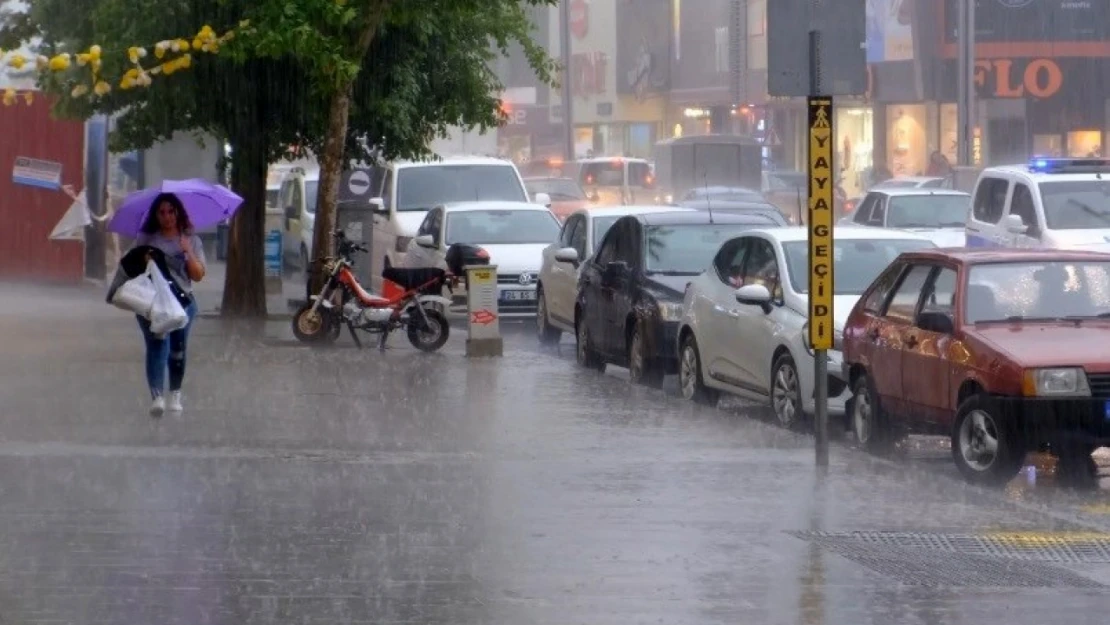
(166, 314)
(137, 294)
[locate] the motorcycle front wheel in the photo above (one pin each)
(431, 336)
(318, 327)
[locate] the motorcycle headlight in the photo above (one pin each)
(402, 244)
(670, 311)
(1055, 382)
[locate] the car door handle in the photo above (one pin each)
(734, 313)
(910, 341)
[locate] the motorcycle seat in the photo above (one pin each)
(411, 278)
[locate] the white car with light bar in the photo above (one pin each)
(1061, 203)
(562, 263)
(940, 214)
(744, 328)
(514, 234)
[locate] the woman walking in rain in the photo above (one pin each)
(167, 228)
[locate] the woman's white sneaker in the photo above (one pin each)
(158, 406)
(175, 402)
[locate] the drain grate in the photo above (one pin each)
(1065, 547)
(985, 560)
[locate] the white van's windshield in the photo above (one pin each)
(311, 188)
(424, 188)
(1076, 204)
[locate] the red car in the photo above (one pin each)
(1004, 350)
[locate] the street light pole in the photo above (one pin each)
(965, 82)
(564, 52)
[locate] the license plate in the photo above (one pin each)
(518, 296)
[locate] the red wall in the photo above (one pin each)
(28, 214)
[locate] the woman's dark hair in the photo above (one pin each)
(151, 225)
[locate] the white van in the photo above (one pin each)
(1061, 203)
(297, 201)
(410, 189)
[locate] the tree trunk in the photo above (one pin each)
(245, 284)
(331, 161)
(331, 169)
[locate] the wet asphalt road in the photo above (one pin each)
(337, 486)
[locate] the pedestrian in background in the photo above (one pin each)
(167, 228)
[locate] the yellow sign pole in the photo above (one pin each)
(820, 224)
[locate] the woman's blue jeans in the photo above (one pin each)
(166, 353)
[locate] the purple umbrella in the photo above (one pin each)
(206, 203)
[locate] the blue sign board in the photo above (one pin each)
(272, 253)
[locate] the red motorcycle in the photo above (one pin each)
(412, 301)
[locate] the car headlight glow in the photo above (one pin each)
(670, 311)
(1055, 382)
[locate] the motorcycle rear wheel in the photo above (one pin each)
(318, 327)
(432, 337)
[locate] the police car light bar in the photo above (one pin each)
(1070, 165)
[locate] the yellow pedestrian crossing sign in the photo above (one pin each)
(820, 223)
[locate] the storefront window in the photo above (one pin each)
(517, 148)
(906, 139)
(583, 142)
(641, 138)
(854, 146)
(949, 139)
(1085, 143)
(612, 139)
(1048, 145)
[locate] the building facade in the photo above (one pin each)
(646, 70)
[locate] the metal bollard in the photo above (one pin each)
(483, 336)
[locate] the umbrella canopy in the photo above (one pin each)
(207, 204)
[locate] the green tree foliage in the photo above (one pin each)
(423, 68)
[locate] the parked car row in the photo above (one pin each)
(1001, 350)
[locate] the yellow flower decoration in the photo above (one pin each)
(173, 55)
(60, 62)
(134, 53)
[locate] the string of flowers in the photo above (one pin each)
(170, 56)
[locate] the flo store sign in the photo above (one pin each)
(1018, 78)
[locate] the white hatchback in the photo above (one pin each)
(743, 328)
(562, 259)
(514, 234)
